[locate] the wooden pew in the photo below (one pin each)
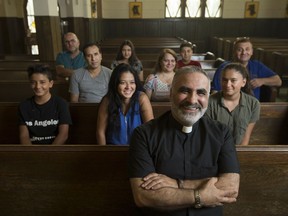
(19, 90)
(154, 56)
(271, 129)
(84, 118)
(258, 42)
(13, 74)
(272, 126)
(263, 51)
(281, 66)
(18, 74)
(205, 64)
(263, 48)
(24, 64)
(93, 180)
(25, 57)
(83, 129)
(146, 45)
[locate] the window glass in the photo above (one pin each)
(193, 8)
(173, 8)
(213, 8)
(30, 16)
(31, 25)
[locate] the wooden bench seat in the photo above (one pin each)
(205, 64)
(24, 64)
(271, 129)
(17, 84)
(147, 41)
(223, 46)
(93, 180)
(19, 90)
(142, 45)
(154, 56)
(263, 51)
(13, 74)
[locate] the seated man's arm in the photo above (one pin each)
(269, 81)
(74, 98)
(74, 89)
(63, 72)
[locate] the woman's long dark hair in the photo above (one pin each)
(240, 68)
(133, 58)
(115, 100)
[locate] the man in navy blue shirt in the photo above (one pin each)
(259, 73)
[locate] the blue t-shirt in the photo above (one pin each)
(64, 58)
(256, 70)
(119, 133)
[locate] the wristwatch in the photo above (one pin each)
(197, 199)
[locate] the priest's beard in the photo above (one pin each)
(187, 118)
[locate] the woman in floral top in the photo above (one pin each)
(157, 86)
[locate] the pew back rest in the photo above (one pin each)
(93, 180)
(272, 126)
(271, 129)
(84, 116)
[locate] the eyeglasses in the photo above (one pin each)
(70, 41)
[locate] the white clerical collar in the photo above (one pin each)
(186, 129)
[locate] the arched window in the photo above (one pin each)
(193, 8)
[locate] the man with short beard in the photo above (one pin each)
(184, 163)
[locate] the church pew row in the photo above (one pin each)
(13, 74)
(263, 51)
(148, 60)
(271, 129)
(154, 56)
(106, 56)
(19, 90)
(281, 66)
(205, 64)
(23, 64)
(141, 41)
(93, 180)
(147, 45)
(220, 44)
(20, 74)
(210, 72)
